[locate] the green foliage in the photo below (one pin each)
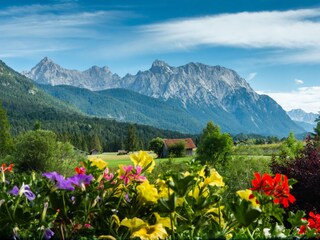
(132, 142)
(177, 149)
(156, 145)
(238, 173)
(290, 147)
(214, 147)
(40, 151)
(317, 128)
(6, 141)
(35, 149)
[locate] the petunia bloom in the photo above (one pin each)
(80, 180)
(61, 182)
(25, 189)
(48, 233)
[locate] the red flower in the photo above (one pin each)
(281, 191)
(263, 184)
(80, 170)
(277, 187)
(4, 168)
(313, 223)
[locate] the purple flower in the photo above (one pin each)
(14, 191)
(61, 182)
(48, 233)
(25, 189)
(80, 179)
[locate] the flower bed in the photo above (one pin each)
(97, 203)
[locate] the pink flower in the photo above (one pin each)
(137, 177)
(106, 175)
(127, 174)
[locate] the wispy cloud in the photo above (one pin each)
(251, 76)
(306, 98)
(39, 29)
(297, 32)
(298, 81)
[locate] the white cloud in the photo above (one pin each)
(251, 76)
(298, 81)
(287, 29)
(38, 29)
(306, 98)
(296, 32)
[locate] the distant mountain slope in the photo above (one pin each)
(125, 105)
(48, 72)
(303, 119)
(25, 103)
(205, 92)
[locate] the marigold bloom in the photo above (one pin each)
(99, 163)
(152, 232)
(143, 159)
(147, 192)
(248, 196)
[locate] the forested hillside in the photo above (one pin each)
(25, 104)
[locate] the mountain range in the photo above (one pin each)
(303, 119)
(26, 103)
(195, 93)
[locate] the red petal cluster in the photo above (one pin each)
(4, 168)
(313, 223)
(277, 187)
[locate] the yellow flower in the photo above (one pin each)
(195, 193)
(152, 232)
(164, 191)
(147, 192)
(246, 194)
(180, 201)
(99, 163)
(214, 179)
(143, 159)
(133, 224)
(165, 221)
(217, 211)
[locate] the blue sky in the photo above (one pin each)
(274, 45)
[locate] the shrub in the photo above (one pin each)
(177, 149)
(306, 170)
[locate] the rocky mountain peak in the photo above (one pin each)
(160, 67)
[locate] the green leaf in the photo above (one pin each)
(245, 213)
(296, 218)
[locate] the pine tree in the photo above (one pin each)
(6, 142)
(132, 143)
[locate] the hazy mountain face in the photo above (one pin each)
(205, 92)
(48, 72)
(303, 119)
